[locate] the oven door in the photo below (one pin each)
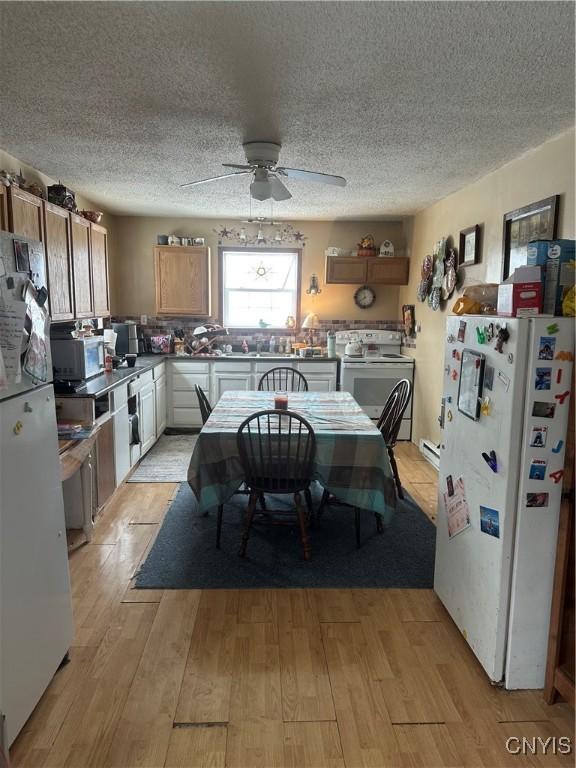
(371, 383)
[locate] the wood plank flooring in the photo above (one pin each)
(268, 678)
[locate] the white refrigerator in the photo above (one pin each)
(504, 420)
(35, 603)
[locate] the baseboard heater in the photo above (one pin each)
(430, 452)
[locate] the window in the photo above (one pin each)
(259, 287)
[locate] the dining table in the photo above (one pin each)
(351, 459)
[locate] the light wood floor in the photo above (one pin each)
(266, 678)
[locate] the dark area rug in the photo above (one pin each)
(184, 555)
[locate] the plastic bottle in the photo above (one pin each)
(107, 360)
(272, 344)
(331, 344)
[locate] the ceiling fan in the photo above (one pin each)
(262, 164)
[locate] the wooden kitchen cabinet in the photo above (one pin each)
(182, 280)
(58, 252)
(3, 208)
(371, 269)
(25, 214)
(99, 262)
(80, 239)
(105, 469)
(387, 271)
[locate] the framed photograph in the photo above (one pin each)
(537, 221)
(469, 251)
(22, 254)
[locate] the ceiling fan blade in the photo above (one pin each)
(216, 178)
(233, 165)
(278, 190)
(322, 178)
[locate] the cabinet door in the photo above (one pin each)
(160, 405)
(99, 257)
(25, 214)
(325, 384)
(147, 417)
(58, 261)
(182, 280)
(121, 443)
(3, 207)
(223, 382)
(80, 231)
(345, 269)
(106, 474)
(388, 271)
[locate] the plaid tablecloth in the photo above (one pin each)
(351, 457)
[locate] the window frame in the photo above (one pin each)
(255, 249)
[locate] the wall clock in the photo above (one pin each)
(364, 297)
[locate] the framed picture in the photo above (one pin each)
(471, 383)
(469, 251)
(408, 317)
(22, 254)
(537, 221)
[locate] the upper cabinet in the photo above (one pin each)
(99, 256)
(58, 262)
(370, 269)
(76, 253)
(80, 235)
(25, 214)
(182, 280)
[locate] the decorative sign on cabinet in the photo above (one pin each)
(369, 269)
(182, 280)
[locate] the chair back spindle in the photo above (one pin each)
(283, 379)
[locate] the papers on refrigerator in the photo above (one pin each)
(12, 315)
(457, 513)
(35, 360)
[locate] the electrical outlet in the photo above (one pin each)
(143, 319)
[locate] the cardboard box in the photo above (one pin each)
(521, 294)
(556, 259)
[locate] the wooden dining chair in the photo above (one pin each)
(390, 422)
(277, 450)
(283, 379)
(205, 407)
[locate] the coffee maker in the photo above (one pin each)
(127, 338)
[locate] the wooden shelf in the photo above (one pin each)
(374, 270)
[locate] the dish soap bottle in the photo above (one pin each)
(245, 347)
(272, 345)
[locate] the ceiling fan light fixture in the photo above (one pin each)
(260, 187)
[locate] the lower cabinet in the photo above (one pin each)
(230, 376)
(106, 472)
(160, 392)
(321, 376)
(183, 406)
(147, 416)
(121, 434)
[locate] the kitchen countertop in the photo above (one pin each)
(106, 382)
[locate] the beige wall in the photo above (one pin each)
(544, 171)
(133, 271)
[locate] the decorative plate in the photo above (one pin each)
(434, 298)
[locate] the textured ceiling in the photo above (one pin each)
(408, 100)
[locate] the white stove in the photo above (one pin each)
(372, 372)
